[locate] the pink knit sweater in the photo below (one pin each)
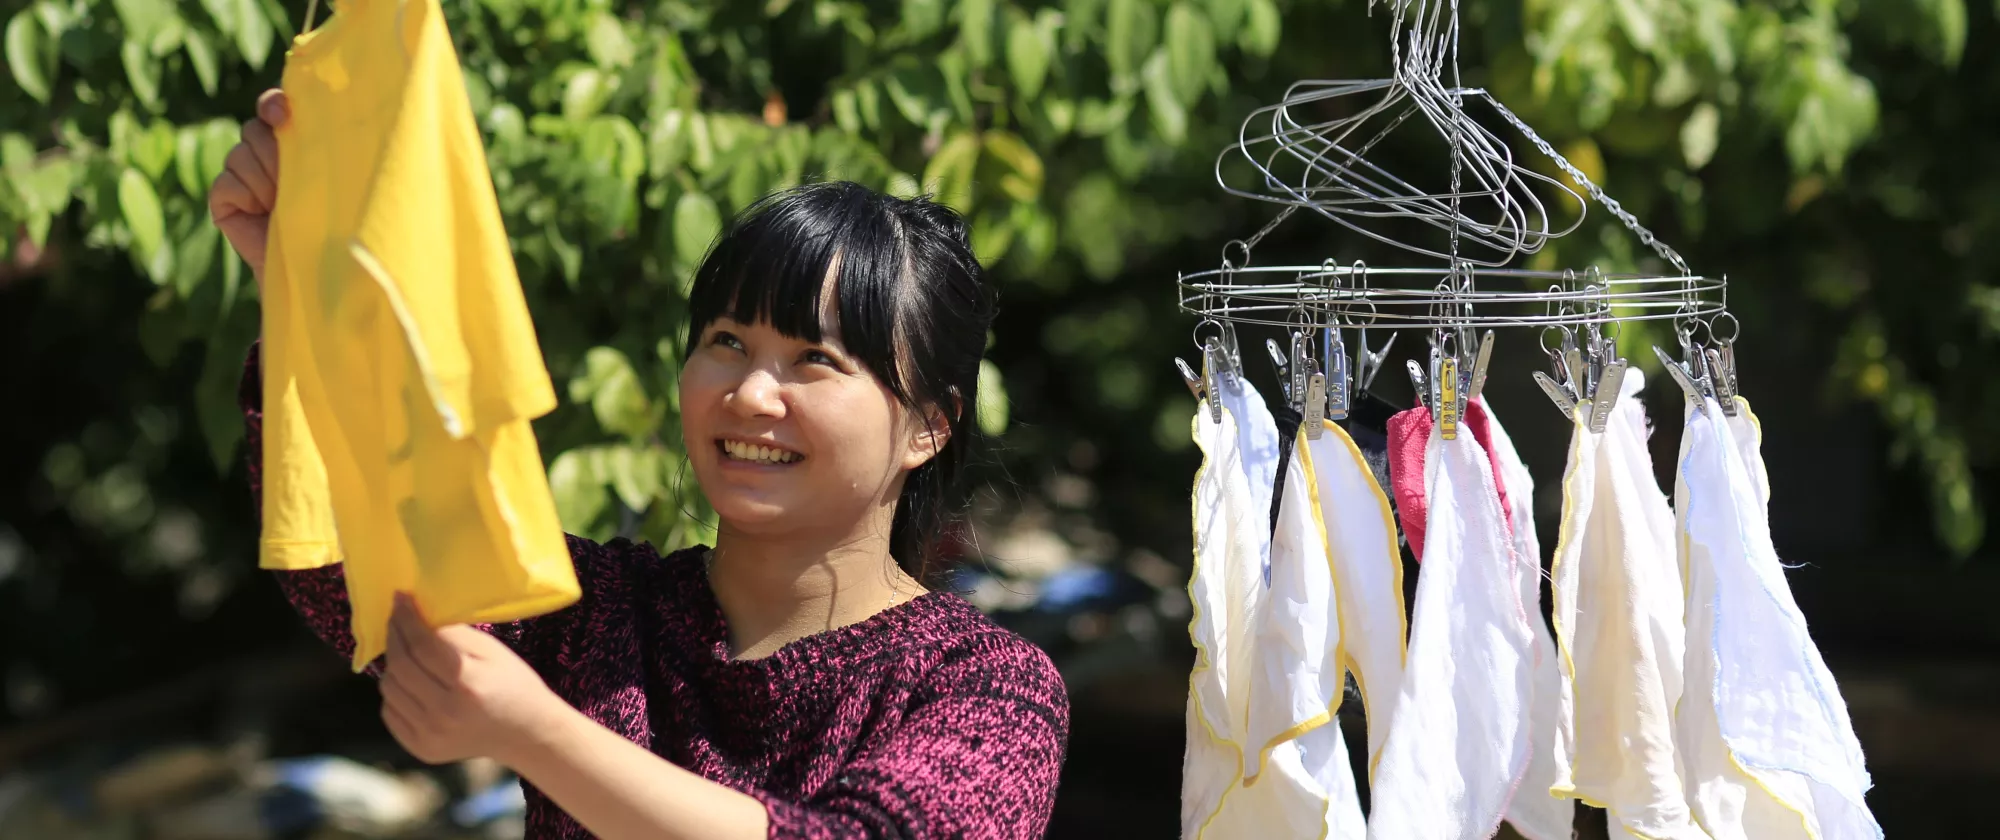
(925, 721)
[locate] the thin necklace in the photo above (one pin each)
(708, 568)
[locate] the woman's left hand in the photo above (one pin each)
(453, 693)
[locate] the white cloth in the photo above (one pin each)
(1768, 751)
(1296, 685)
(1228, 532)
(1360, 528)
(1619, 605)
(1458, 743)
(1534, 812)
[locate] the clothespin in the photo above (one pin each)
(1480, 359)
(1368, 363)
(1689, 387)
(1449, 397)
(1557, 394)
(1337, 392)
(1605, 396)
(1279, 361)
(1231, 353)
(1315, 411)
(1188, 376)
(1725, 390)
(1302, 370)
(1212, 363)
(1417, 383)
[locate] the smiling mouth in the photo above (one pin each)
(750, 453)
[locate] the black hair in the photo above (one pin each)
(913, 307)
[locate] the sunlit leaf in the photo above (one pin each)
(1170, 117)
(607, 42)
(142, 69)
(253, 32)
(697, 221)
(948, 175)
(31, 55)
(1190, 46)
(1260, 27)
(201, 54)
(978, 20)
(152, 150)
(140, 207)
(579, 489)
(993, 403)
(194, 258)
(1699, 135)
(1028, 54)
(1131, 28)
(615, 393)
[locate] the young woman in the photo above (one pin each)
(795, 681)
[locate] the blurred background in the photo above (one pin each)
(1828, 156)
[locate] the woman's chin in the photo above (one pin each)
(752, 516)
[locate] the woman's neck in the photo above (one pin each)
(776, 591)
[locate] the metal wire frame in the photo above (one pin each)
(1344, 296)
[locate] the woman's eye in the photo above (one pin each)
(818, 357)
(723, 339)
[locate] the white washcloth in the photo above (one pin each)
(1231, 539)
(1768, 751)
(1360, 529)
(1458, 743)
(1535, 813)
(1619, 607)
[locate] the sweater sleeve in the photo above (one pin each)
(977, 757)
(320, 595)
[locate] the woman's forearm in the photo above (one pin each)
(618, 789)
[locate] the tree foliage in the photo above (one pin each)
(1077, 136)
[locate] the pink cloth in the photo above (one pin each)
(1409, 433)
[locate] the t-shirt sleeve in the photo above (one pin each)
(319, 595)
(977, 757)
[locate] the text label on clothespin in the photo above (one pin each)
(1606, 396)
(1315, 419)
(1336, 376)
(1725, 391)
(1448, 403)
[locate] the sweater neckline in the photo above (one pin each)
(867, 636)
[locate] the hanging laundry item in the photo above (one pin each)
(1232, 537)
(1297, 686)
(1458, 744)
(1618, 613)
(1408, 433)
(1535, 813)
(1767, 749)
(1368, 588)
(401, 369)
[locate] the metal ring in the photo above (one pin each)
(1735, 328)
(1240, 244)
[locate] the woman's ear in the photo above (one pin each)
(932, 432)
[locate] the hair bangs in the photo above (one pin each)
(772, 265)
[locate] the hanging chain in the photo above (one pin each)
(1618, 210)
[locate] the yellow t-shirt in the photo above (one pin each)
(401, 369)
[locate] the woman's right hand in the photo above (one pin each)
(242, 197)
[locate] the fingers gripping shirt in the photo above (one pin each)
(401, 366)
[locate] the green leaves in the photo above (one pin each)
(948, 175)
(1131, 28)
(1190, 50)
(31, 55)
(1698, 135)
(248, 25)
(1030, 50)
(993, 403)
(697, 221)
(615, 394)
(140, 207)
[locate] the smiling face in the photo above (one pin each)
(792, 437)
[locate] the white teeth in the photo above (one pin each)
(757, 453)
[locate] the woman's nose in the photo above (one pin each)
(758, 395)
